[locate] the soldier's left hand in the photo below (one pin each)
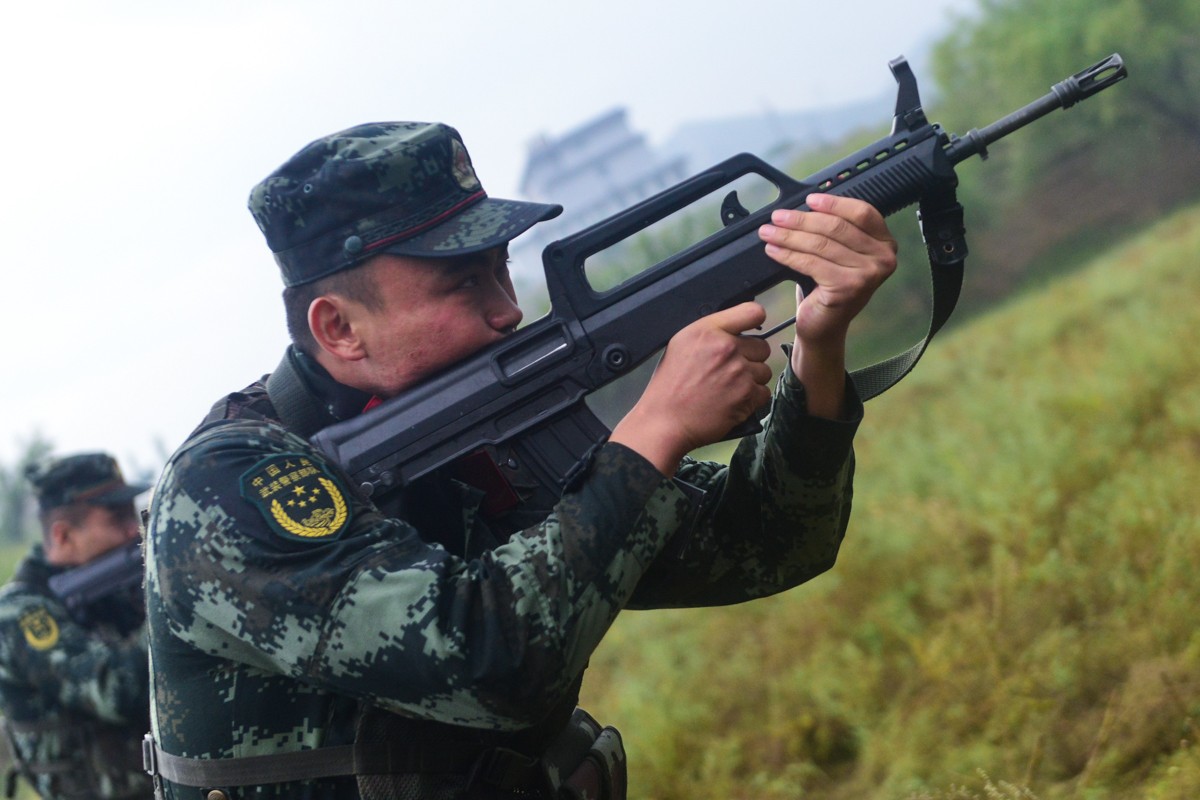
(845, 246)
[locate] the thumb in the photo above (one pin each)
(739, 318)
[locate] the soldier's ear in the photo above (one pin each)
(335, 324)
(59, 541)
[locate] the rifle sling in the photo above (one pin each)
(945, 241)
(292, 399)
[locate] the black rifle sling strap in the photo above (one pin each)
(292, 400)
(945, 240)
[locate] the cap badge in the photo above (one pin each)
(463, 172)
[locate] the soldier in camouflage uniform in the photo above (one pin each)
(306, 642)
(73, 679)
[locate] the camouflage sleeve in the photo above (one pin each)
(61, 663)
(772, 519)
(359, 605)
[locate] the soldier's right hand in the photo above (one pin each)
(710, 379)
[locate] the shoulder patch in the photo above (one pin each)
(299, 498)
(40, 629)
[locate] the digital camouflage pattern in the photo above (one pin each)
(74, 698)
(263, 641)
(406, 188)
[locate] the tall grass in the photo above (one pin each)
(1014, 612)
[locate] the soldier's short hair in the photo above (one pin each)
(354, 284)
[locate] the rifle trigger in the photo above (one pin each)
(732, 209)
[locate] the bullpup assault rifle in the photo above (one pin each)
(118, 570)
(525, 396)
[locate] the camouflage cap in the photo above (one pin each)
(92, 478)
(406, 188)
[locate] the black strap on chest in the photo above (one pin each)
(292, 400)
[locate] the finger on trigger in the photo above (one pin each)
(740, 318)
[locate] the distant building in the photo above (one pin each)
(593, 171)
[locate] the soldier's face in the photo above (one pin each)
(432, 313)
(104, 528)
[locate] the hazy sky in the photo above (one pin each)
(137, 289)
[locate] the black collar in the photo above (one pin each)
(306, 396)
(341, 401)
(34, 569)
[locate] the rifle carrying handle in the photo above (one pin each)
(563, 260)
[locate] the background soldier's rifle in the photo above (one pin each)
(118, 570)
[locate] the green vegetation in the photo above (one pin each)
(10, 554)
(1013, 613)
(18, 520)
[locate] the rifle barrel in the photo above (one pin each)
(1064, 94)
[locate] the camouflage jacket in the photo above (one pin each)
(74, 697)
(279, 599)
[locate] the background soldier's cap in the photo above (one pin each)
(92, 478)
(406, 188)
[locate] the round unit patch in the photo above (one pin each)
(298, 497)
(40, 629)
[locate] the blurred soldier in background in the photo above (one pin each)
(73, 656)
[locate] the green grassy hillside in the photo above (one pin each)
(1014, 612)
